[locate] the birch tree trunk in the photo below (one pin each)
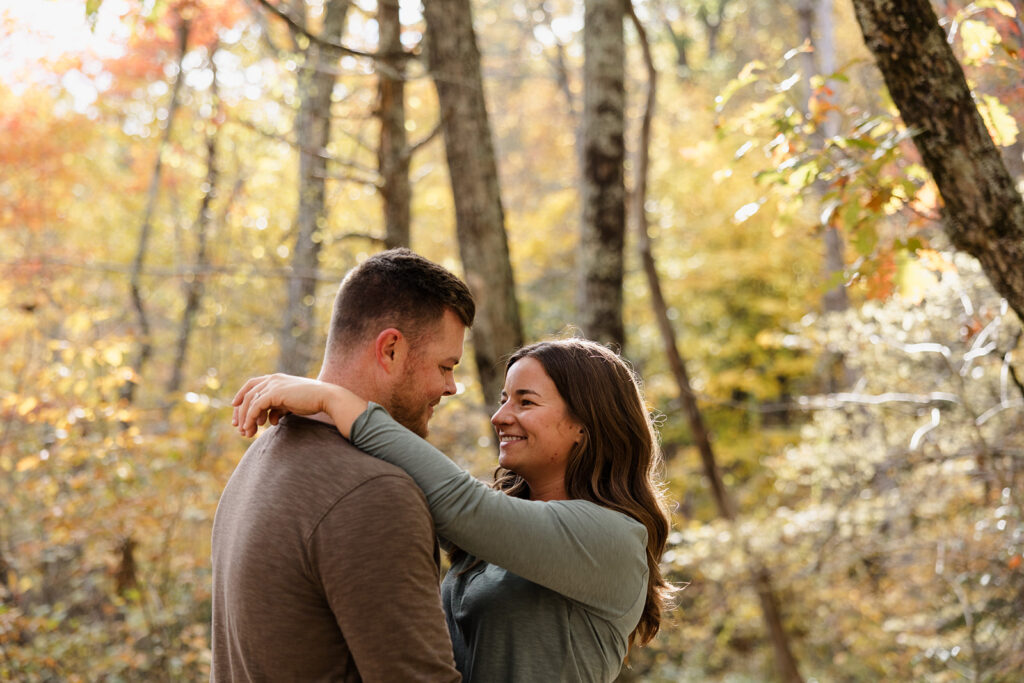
(454, 63)
(312, 134)
(836, 298)
(983, 213)
(761, 577)
(817, 26)
(603, 229)
(392, 152)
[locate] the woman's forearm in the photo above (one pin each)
(344, 407)
(269, 397)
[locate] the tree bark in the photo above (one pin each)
(312, 133)
(393, 152)
(983, 213)
(603, 191)
(454, 63)
(144, 350)
(194, 284)
(836, 298)
(785, 662)
(817, 29)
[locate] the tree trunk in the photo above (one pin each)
(194, 284)
(836, 298)
(145, 338)
(393, 153)
(312, 133)
(785, 662)
(603, 228)
(983, 213)
(817, 29)
(454, 63)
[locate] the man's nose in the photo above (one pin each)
(449, 385)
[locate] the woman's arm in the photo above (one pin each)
(267, 399)
(581, 550)
(586, 552)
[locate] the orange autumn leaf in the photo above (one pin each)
(934, 261)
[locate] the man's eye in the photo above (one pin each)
(527, 402)
(447, 369)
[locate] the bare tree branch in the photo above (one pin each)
(297, 28)
(417, 146)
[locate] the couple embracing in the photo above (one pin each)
(325, 559)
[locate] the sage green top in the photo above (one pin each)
(562, 583)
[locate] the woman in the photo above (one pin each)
(554, 575)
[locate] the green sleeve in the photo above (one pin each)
(588, 553)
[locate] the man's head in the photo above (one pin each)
(396, 334)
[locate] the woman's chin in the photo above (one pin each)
(506, 460)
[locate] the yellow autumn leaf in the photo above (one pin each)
(27, 406)
(934, 261)
(927, 198)
(1000, 123)
(113, 356)
(1004, 7)
(27, 463)
(913, 280)
(978, 39)
(78, 322)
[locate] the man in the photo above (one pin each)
(325, 564)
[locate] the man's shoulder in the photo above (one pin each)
(326, 453)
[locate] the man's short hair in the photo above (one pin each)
(396, 288)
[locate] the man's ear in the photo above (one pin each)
(390, 348)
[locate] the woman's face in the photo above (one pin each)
(535, 432)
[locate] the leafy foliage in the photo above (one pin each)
(888, 513)
(896, 520)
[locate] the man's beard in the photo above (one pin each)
(406, 407)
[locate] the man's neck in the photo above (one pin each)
(356, 379)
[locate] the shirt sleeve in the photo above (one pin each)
(588, 553)
(376, 558)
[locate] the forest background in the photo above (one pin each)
(837, 379)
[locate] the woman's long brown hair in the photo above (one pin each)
(615, 465)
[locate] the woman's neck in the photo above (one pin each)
(553, 489)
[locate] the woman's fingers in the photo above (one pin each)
(268, 398)
(254, 407)
(237, 400)
(239, 412)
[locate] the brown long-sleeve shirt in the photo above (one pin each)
(324, 567)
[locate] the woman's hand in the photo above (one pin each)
(271, 397)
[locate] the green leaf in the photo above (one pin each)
(866, 239)
(92, 9)
(851, 216)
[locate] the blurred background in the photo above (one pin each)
(184, 183)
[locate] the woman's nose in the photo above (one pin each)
(501, 415)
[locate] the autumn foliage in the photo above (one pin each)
(875, 453)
